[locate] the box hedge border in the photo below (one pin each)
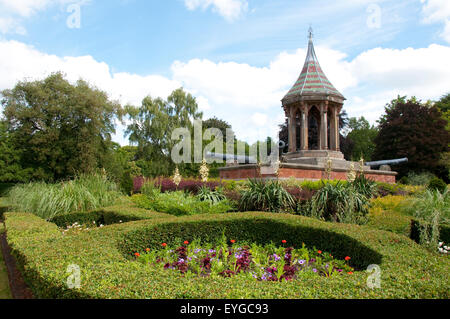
(107, 269)
(107, 216)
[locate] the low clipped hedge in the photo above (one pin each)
(107, 216)
(108, 269)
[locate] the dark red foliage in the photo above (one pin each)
(206, 262)
(300, 194)
(243, 262)
(289, 272)
(167, 184)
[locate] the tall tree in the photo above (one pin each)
(152, 125)
(415, 130)
(10, 168)
(362, 135)
(60, 129)
(214, 122)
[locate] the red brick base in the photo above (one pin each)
(252, 171)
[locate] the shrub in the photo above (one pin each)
(364, 186)
(105, 256)
(179, 204)
(338, 203)
(84, 193)
(431, 209)
(212, 196)
(437, 184)
(267, 196)
(419, 178)
(386, 214)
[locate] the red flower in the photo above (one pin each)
(284, 241)
(137, 254)
(319, 251)
(186, 242)
(164, 244)
(347, 258)
(350, 272)
(148, 249)
(232, 241)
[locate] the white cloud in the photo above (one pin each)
(229, 9)
(246, 96)
(19, 61)
(437, 11)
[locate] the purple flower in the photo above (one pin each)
(314, 269)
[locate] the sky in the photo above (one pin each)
(237, 57)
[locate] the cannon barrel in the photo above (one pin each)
(231, 157)
(387, 162)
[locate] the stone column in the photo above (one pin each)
(292, 130)
(304, 128)
(333, 129)
(338, 137)
(323, 126)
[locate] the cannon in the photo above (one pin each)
(230, 157)
(386, 162)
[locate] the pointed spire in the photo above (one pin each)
(310, 34)
(312, 80)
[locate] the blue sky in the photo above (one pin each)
(238, 57)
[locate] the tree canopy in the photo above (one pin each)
(362, 136)
(412, 129)
(58, 129)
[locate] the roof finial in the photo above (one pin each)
(310, 33)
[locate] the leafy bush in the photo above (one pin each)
(166, 184)
(43, 254)
(213, 196)
(437, 184)
(419, 179)
(431, 209)
(179, 204)
(4, 188)
(338, 203)
(386, 214)
(267, 196)
(364, 186)
(84, 193)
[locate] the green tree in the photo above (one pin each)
(362, 135)
(444, 106)
(152, 125)
(414, 130)
(222, 125)
(58, 128)
(10, 168)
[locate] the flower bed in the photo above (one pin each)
(266, 263)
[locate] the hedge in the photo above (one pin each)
(108, 269)
(107, 216)
(444, 231)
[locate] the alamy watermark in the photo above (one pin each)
(374, 279)
(74, 19)
(374, 18)
(191, 149)
(74, 278)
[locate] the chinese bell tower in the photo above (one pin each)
(312, 107)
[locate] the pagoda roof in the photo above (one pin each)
(312, 82)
